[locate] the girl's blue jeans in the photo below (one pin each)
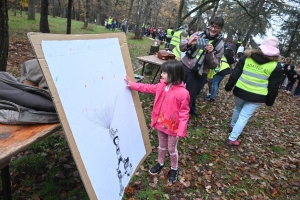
(242, 112)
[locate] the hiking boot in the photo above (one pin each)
(173, 175)
(156, 169)
(233, 143)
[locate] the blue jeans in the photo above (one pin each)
(215, 86)
(297, 90)
(242, 112)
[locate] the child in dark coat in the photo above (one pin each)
(292, 77)
(297, 90)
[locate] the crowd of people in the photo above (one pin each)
(202, 58)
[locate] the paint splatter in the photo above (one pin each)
(102, 78)
(70, 49)
(56, 79)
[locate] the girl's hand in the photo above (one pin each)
(128, 81)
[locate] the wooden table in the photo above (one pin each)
(153, 59)
(15, 139)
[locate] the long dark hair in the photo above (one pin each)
(175, 71)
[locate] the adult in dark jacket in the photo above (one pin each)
(292, 77)
(256, 78)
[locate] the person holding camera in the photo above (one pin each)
(204, 50)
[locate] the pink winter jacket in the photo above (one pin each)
(170, 112)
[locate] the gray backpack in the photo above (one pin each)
(24, 104)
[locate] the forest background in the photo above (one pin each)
(266, 166)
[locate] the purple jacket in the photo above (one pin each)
(170, 112)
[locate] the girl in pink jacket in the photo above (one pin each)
(170, 112)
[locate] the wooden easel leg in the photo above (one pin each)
(5, 177)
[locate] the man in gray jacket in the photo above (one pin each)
(199, 59)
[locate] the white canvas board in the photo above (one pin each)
(89, 78)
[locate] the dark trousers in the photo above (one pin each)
(297, 90)
(290, 85)
(194, 83)
(282, 80)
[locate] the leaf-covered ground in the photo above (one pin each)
(264, 166)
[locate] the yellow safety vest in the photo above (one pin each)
(109, 21)
(223, 65)
(169, 33)
(176, 39)
(255, 77)
(177, 52)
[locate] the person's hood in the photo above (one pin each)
(259, 57)
(292, 67)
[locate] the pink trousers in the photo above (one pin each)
(170, 142)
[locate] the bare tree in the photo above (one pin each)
(87, 13)
(69, 15)
(44, 25)
(31, 10)
(4, 39)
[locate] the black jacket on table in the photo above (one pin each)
(274, 79)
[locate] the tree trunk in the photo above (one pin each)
(69, 15)
(129, 14)
(15, 3)
(137, 33)
(44, 26)
(53, 8)
(31, 10)
(79, 10)
(21, 9)
(292, 36)
(4, 39)
(179, 20)
(87, 14)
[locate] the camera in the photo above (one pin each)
(202, 43)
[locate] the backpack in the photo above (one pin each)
(24, 104)
(229, 54)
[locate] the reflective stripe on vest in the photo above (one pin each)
(177, 51)
(169, 33)
(255, 77)
(200, 51)
(176, 38)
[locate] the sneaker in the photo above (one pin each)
(233, 143)
(173, 175)
(212, 100)
(207, 98)
(288, 92)
(156, 169)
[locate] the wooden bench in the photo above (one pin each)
(15, 139)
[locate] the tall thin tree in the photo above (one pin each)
(31, 10)
(69, 15)
(44, 25)
(4, 39)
